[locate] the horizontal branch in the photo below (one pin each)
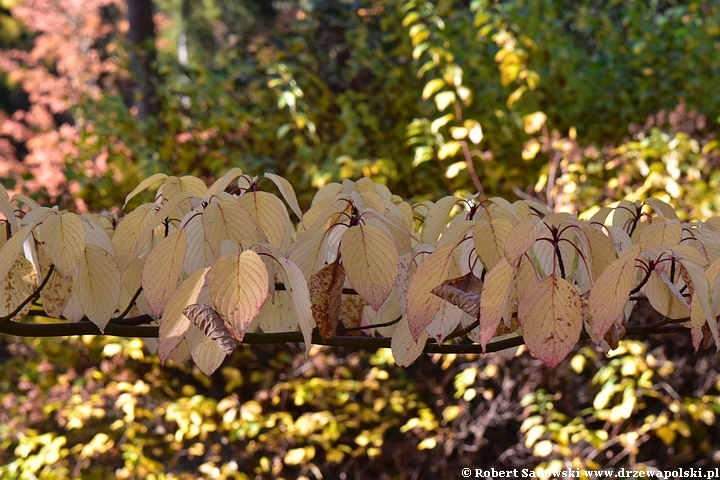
(61, 329)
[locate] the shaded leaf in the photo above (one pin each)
(463, 292)
(326, 295)
(212, 325)
(422, 305)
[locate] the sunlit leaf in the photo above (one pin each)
(144, 185)
(16, 287)
(496, 295)
(64, 241)
(269, 213)
(551, 319)
(98, 285)
(162, 269)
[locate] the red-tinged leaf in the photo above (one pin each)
(463, 292)
(609, 294)
(174, 324)
(162, 269)
(326, 295)
(551, 319)
(98, 285)
(18, 286)
(520, 238)
(269, 213)
(496, 295)
(63, 241)
(422, 305)
(238, 288)
(405, 347)
(212, 325)
(370, 258)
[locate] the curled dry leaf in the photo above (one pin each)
(326, 296)
(463, 292)
(211, 324)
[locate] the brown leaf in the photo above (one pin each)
(463, 292)
(326, 296)
(351, 310)
(211, 324)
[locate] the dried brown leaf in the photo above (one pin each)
(463, 292)
(326, 297)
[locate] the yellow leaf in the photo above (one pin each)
(144, 185)
(288, 193)
(609, 294)
(326, 295)
(188, 184)
(444, 99)
(63, 241)
(422, 305)
(95, 234)
(238, 288)
(489, 239)
(370, 258)
(174, 324)
(55, 294)
(98, 284)
(162, 269)
(7, 209)
(269, 213)
(520, 238)
(279, 316)
(661, 208)
(495, 299)
(534, 122)
(167, 210)
(18, 286)
(551, 319)
(446, 319)
(432, 87)
(228, 220)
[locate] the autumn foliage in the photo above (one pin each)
(207, 268)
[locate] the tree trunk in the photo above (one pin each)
(141, 35)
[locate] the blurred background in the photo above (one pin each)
(574, 103)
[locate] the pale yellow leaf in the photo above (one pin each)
(702, 293)
(16, 287)
(174, 324)
(437, 218)
(489, 239)
(288, 193)
(9, 251)
(269, 213)
(238, 288)
(609, 294)
(166, 211)
(551, 319)
(7, 209)
(188, 184)
(128, 231)
(296, 286)
(205, 352)
(228, 220)
(665, 297)
(162, 269)
(661, 233)
(95, 234)
(520, 238)
(198, 253)
(222, 183)
(445, 321)
(370, 258)
(457, 230)
(279, 316)
(661, 208)
(73, 310)
(405, 348)
(496, 295)
(144, 185)
(98, 284)
(422, 305)
(63, 241)
(55, 294)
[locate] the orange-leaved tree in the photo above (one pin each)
(204, 269)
